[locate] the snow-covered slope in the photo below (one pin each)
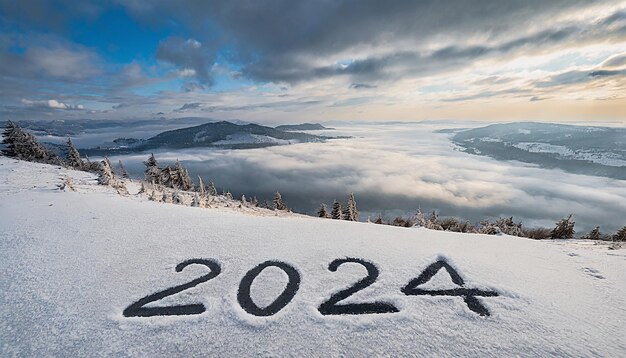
(73, 263)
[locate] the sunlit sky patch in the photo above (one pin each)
(287, 61)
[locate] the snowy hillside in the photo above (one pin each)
(92, 273)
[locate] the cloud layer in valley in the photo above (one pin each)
(396, 169)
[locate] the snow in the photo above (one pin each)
(247, 138)
(609, 159)
(72, 261)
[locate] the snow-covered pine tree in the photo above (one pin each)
(9, 137)
(564, 229)
(336, 213)
(321, 212)
(123, 172)
(183, 180)
(254, 201)
(229, 195)
(106, 175)
(142, 188)
(350, 212)
(279, 204)
(211, 189)
(73, 156)
(152, 172)
(243, 200)
(23, 145)
(153, 196)
(201, 189)
(620, 235)
(166, 198)
(594, 234)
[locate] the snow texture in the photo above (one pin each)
(73, 261)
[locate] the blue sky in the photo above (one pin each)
(285, 61)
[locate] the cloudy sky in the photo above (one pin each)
(290, 61)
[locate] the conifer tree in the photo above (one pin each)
(23, 145)
(10, 136)
(564, 229)
(153, 196)
(106, 175)
(142, 189)
(350, 212)
(73, 156)
(152, 172)
(593, 234)
(279, 204)
(321, 212)
(211, 190)
(183, 181)
(166, 198)
(620, 235)
(336, 213)
(123, 172)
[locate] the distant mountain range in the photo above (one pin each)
(303, 127)
(214, 134)
(599, 151)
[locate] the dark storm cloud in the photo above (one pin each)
(188, 107)
(273, 41)
(194, 59)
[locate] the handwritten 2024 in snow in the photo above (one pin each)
(328, 307)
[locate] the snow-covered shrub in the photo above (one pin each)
(594, 234)
(279, 204)
(564, 229)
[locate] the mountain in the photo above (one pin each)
(303, 127)
(599, 151)
(214, 134)
(77, 268)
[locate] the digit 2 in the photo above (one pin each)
(137, 309)
(332, 306)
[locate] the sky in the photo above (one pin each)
(294, 61)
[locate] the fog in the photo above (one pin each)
(394, 169)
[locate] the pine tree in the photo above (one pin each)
(123, 172)
(166, 198)
(564, 229)
(211, 190)
(153, 196)
(183, 180)
(152, 172)
(142, 189)
(73, 156)
(229, 195)
(106, 175)
(321, 212)
(10, 136)
(23, 145)
(336, 213)
(254, 201)
(620, 235)
(243, 199)
(279, 204)
(350, 212)
(593, 234)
